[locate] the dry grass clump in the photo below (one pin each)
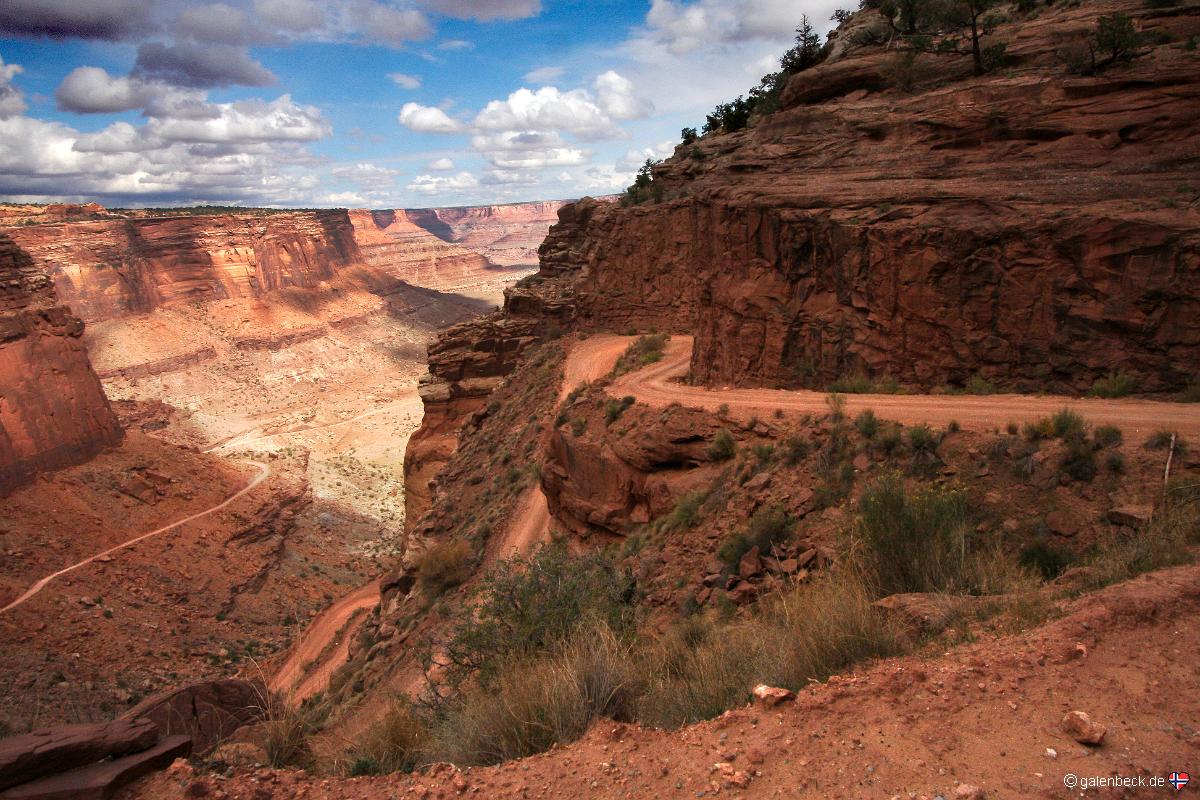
(444, 566)
(396, 743)
(644, 350)
(287, 728)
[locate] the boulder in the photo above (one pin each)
(751, 565)
(771, 696)
(207, 712)
(1130, 516)
(1080, 727)
(44, 752)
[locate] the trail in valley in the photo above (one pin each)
(334, 621)
(659, 385)
(237, 441)
(263, 474)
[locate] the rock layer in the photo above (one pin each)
(508, 235)
(389, 240)
(112, 268)
(53, 411)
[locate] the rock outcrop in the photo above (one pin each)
(1037, 228)
(53, 411)
(508, 235)
(390, 241)
(115, 267)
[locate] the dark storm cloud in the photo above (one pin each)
(76, 19)
(200, 66)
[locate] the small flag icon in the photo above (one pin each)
(1178, 780)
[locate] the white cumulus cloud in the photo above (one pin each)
(427, 119)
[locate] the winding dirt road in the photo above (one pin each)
(290, 679)
(658, 385)
(263, 474)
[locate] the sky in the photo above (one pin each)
(364, 103)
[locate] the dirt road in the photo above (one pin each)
(238, 441)
(263, 474)
(333, 623)
(659, 385)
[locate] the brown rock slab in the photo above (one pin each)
(751, 564)
(43, 752)
(101, 781)
(207, 712)
(1130, 516)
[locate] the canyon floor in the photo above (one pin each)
(275, 428)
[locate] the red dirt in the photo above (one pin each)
(299, 683)
(263, 474)
(659, 385)
(983, 715)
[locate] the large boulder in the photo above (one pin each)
(207, 712)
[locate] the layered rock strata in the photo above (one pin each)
(53, 411)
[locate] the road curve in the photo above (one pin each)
(658, 385)
(290, 679)
(264, 471)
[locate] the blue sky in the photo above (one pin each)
(375, 103)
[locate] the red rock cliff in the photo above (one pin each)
(1036, 227)
(508, 235)
(389, 240)
(53, 411)
(111, 268)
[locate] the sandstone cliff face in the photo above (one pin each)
(391, 241)
(53, 411)
(508, 235)
(112, 268)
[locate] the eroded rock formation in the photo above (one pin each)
(53, 411)
(508, 235)
(389, 240)
(112, 268)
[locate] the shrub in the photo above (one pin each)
(534, 705)
(1107, 436)
(953, 426)
(1191, 394)
(614, 408)
(686, 512)
(763, 452)
(803, 635)
(977, 384)
(1117, 384)
(1165, 542)
(795, 450)
(889, 441)
(688, 135)
(867, 424)
(1045, 559)
(767, 526)
(1161, 440)
(394, 743)
(1116, 38)
(643, 351)
(914, 542)
(722, 447)
(1114, 462)
(444, 566)
(1079, 460)
(922, 439)
(837, 406)
(525, 606)
(286, 732)
(1012, 428)
(1066, 424)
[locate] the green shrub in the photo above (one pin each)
(953, 426)
(767, 526)
(1114, 462)
(922, 439)
(535, 704)
(1107, 436)
(614, 408)
(722, 447)
(977, 384)
(867, 424)
(1045, 559)
(795, 450)
(686, 512)
(1117, 384)
(859, 383)
(1190, 394)
(524, 606)
(642, 351)
(1079, 460)
(1012, 428)
(837, 406)
(1066, 423)
(1161, 440)
(444, 566)
(914, 541)
(763, 452)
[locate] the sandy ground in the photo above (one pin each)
(659, 385)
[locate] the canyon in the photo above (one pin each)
(250, 373)
(712, 412)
